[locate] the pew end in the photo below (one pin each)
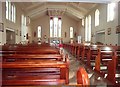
(82, 77)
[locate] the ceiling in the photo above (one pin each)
(76, 9)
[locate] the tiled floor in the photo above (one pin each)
(95, 79)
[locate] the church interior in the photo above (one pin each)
(59, 43)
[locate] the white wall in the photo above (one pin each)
(104, 25)
(119, 22)
(8, 24)
(43, 21)
(100, 37)
(68, 22)
(81, 30)
(1, 33)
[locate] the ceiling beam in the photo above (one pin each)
(66, 8)
(33, 6)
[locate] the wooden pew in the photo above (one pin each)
(84, 52)
(104, 58)
(22, 57)
(82, 77)
(17, 47)
(39, 72)
(92, 53)
(35, 65)
(114, 67)
(105, 54)
(117, 49)
(79, 51)
(29, 50)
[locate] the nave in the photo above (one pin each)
(33, 33)
(35, 67)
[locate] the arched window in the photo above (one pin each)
(7, 9)
(88, 28)
(110, 12)
(55, 26)
(24, 29)
(71, 32)
(10, 11)
(97, 14)
(51, 27)
(39, 31)
(82, 22)
(59, 27)
(55, 21)
(14, 13)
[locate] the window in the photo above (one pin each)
(88, 28)
(110, 12)
(10, 11)
(14, 13)
(7, 9)
(59, 27)
(82, 22)
(55, 26)
(55, 21)
(51, 28)
(71, 32)
(97, 13)
(39, 31)
(23, 28)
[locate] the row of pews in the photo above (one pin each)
(35, 65)
(103, 59)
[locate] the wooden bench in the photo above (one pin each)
(22, 57)
(28, 50)
(33, 66)
(84, 52)
(114, 67)
(105, 54)
(79, 51)
(82, 77)
(37, 72)
(92, 53)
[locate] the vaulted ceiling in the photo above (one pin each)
(76, 9)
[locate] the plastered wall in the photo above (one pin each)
(43, 21)
(67, 22)
(104, 25)
(16, 27)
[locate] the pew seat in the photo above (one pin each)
(31, 82)
(20, 57)
(37, 72)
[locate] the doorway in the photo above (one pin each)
(100, 37)
(10, 36)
